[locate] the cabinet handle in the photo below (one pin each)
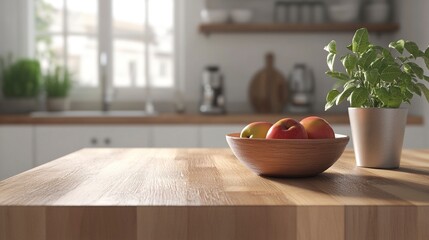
(107, 141)
(94, 141)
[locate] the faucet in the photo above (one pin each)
(106, 91)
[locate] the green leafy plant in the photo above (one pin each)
(21, 79)
(58, 82)
(374, 77)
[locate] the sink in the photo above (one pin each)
(93, 114)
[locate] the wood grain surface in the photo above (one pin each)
(166, 118)
(293, 27)
(207, 194)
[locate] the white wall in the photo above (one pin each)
(241, 55)
(414, 26)
(14, 28)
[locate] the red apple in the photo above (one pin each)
(317, 128)
(287, 128)
(256, 130)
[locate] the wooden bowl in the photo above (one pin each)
(287, 157)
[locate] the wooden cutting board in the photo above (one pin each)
(268, 89)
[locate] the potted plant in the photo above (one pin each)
(57, 85)
(21, 84)
(376, 81)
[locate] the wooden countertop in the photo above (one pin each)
(177, 119)
(208, 194)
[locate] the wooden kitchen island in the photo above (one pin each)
(130, 194)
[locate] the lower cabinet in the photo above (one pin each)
(175, 136)
(213, 136)
(16, 150)
(24, 147)
(53, 142)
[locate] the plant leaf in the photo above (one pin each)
(426, 60)
(390, 73)
(416, 69)
(412, 87)
(413, 49)
(358, 97)
(372, 76)
(331, 98)
(360, 42)
(330, 61)
(331, 47)
(344, 95)
(395, 99)
(338, 75)
(367, 58)
(424, 89)
(349, 62)
(350, 47)
(398, 45)
(388, 56)
(383, 95)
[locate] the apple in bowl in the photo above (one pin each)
(256, 130)
(287, 128)
(317, 128)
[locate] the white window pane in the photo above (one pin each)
(128, 66)
(82, 16)
(129, 21)
(128, 16)
(162, 49)
(82, 60)
(50, 50)
(49, 16)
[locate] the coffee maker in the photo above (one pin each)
(302, 88)
(212, 91)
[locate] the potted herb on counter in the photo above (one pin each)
(57, 85)
(21, 84)
(376, 82)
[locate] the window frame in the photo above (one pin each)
(104, 38)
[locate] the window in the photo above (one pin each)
(75, 33)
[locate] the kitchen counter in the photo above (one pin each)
(208, 194)
(174, 119)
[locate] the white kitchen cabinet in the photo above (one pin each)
(213, 136)
(16, 150)
(53, 142)
(175, 136)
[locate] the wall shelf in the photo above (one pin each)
(284, 28)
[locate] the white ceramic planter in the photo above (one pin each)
(58, 104)
(378, 135)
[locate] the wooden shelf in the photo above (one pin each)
(283, 28)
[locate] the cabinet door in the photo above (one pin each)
(135, 136)
(213, 136)
(53, 142)
(175, 136)
(16, 150)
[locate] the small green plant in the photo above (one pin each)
(21, 79)
(374, 77)
(58, 82)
